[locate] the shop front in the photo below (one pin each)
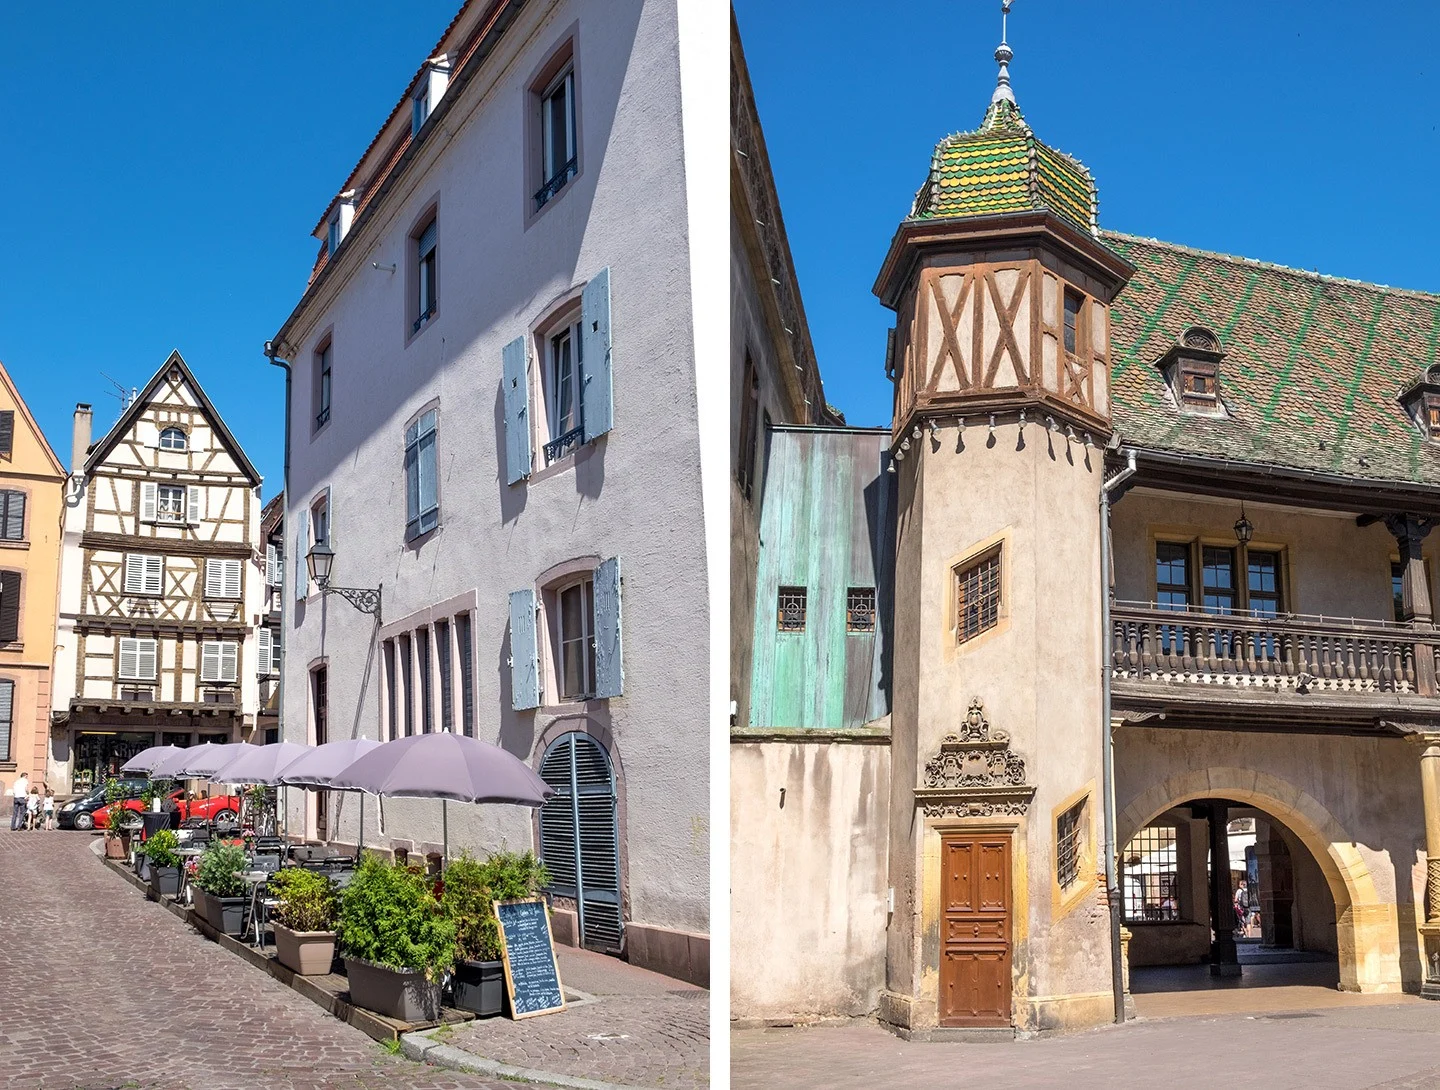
(98, 754)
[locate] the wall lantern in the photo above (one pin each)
(1244, 531)
(319, 560)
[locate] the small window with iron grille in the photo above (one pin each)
(977, 597)
(792, 609)
(1151, 878)
(860, 609)
(1068, 845)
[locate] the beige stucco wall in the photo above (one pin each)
(1353, 804)
(808, 884)
(1037, 674)
(1335, 567)
(33, 469)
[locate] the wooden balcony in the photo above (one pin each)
(1231, 670)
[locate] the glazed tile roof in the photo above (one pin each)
(1311, 371)
(1002, 167)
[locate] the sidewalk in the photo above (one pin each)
(628, 1027)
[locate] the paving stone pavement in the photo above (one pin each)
(1353, 1048)
(101, 989)
(644, 1029)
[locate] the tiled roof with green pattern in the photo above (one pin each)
(1311, 370)
(1002, 167)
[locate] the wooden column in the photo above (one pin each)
(1223, 958)
(1410, 532)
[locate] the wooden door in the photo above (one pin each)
(975, 931)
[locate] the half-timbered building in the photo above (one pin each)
(1147, 544)
(161, 583)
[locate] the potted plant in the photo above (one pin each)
(304, 920)
(468, 894)
(117, 840)
(160, 854)
(219, 892)
(395, 940)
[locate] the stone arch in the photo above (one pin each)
(1365, 924)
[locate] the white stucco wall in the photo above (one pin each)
(634, 493)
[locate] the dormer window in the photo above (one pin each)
(420, 108)
(332, 239)
(1422, 401)
(433, 81)
(1192, 371)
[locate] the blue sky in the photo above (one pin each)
(163, 164)
(1299, 133)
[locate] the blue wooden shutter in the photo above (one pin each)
(524, 652)
(597, 396)
(302, 546)
(427, 483)
(609, 672)
(517, 411)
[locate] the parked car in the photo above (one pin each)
(223, 810)
(80, 814)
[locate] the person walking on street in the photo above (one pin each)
(47, 806)
(32, 809)
(19, 793)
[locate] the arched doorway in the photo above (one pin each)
(1366, 927)
(579, 836)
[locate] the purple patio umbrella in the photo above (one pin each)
(446, 766)
(261, 764)
(317, 767)
(147, 759)
(199, 762)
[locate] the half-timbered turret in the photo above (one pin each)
(161, 583)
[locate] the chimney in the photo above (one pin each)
(80, 440)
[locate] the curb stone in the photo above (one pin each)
(421, 1047)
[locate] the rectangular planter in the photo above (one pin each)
(309, 953)
(480, 987)
(404, 994)
(165, 881)
(115, 848)
(224, 914)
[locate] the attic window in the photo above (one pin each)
(1432, 415)
(1199, 383)
(173, 439)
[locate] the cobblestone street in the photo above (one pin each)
(104, 989)
(1350, 1048)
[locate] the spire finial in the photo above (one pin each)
(1003, 55)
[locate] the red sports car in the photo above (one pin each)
(222, 809)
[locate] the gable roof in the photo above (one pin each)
(45, 446)
(1312, 370)
(127, 419)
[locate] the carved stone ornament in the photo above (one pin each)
(975, 773)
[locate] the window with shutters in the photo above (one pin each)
(170, 503)
(442, 665)
(11, 583)
(422, 488)
(222, 578)
(425, 266)
(174, 439)
(319, 522)
(267, 652)
(7, 716)
(574, 640)
(137, 659)
(274, 565)
(144, 575)
(7, 433)
(12, 515)
(465, 650)
(219, 661)
(580, 836)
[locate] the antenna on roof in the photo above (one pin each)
(123, 393)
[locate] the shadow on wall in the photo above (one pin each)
(371, 649)
(880, 503)
(512, 496)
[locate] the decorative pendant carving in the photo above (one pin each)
(975, 773)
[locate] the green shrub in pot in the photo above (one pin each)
(304, 918)
(396, 941)
(161, 854)
(469, 889)
(218, 870)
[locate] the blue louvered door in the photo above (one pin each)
(579, 836)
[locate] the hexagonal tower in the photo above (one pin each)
(1001, 364)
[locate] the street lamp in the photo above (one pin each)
(319, 560)
(1244, 531)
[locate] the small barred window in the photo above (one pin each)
(977, 597)
(1067, 845)
(792, 609)
(860, 609)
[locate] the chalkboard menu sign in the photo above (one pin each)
(532, 978)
